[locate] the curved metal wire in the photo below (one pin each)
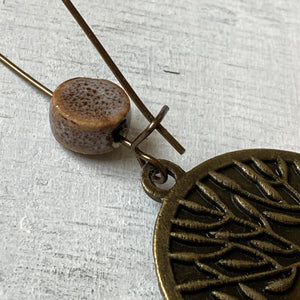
(120, 77)
(151, 127)
(25, 75)
(162, 173)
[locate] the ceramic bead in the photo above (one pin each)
(85, 114)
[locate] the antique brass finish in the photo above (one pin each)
(230, 228)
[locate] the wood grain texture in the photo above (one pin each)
(73, 227)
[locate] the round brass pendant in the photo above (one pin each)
(230, 228)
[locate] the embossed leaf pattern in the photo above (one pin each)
(191, 257)
(225, 181)
(248, 171)
(211, 195)
(282, 218)
(269, 247)
(241, 264)
(251, 293)
(254, 220)
(269, 191)
(195, 238)
(282, 285)
(297, 166)
(263, 168)
(223, 296)
(250, 209)
(282, 168)
(197, 208)
(197, 225)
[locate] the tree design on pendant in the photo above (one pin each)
(230, 228)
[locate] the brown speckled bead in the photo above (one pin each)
(86, 112)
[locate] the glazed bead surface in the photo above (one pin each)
(85, 114)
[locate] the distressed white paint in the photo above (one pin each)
(73, 227)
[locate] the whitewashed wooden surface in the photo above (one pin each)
(73, 227)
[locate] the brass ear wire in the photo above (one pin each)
(25, 76)
(120, 77)
(143, 158)
(155, 122)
